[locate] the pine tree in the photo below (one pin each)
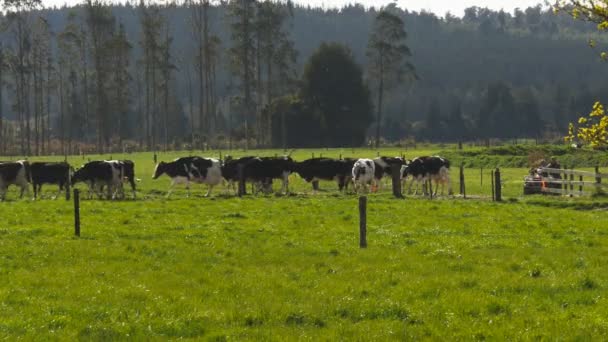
(243, 53)
(388, 55)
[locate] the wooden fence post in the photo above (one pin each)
(571, 180)
(498, 184)
(565, 181)
(155, 158)
(580, 186)
(481, 173)
(340, 156)
(76, 212)
(313, 155)
(363, 222)
(241, 175)
(460, 145)
(493, 188)
(463, 190)
(396, 178)
(598, 179)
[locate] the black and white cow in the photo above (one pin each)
(383, 168)
(127, 168)
(261, 171)
(363, 173)
(230, 169)
(50, 173)
(317, 169)
(191, 169)
(99, 174)
(426, 168)
(15, 173)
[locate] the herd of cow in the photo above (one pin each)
(109, 175)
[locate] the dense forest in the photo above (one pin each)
(144, 76)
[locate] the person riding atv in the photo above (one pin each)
(538, 180)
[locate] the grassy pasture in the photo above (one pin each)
(289, 267)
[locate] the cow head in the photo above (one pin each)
(78, 176)
(159, 170)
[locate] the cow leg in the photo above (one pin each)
(132, 181)
(209, 190)
(171, 188)
(285, 184)
(409, 189)
(61, 185)
(188, 187)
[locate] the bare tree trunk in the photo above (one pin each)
(85, 84)
(166, 87)
(191, 109)
(207, 61)
(36, 100)
(61, 110)
(380, 95)
(258, 63)
(2, 137)
(48, 103)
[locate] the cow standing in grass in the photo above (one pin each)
(421, 169)
(99, 174)
(383, 167)
(127, 169)
(15, 173)
(191, 169)
(363, 174)
(50, 173)
(317, 169)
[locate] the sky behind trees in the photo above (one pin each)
(439, 7)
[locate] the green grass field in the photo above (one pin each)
(289, 267)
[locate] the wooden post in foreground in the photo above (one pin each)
(571, 181)
(497, 184)
(598, 179)
(492, 179)
(76, 212)
(580, 186)
(396, 178)
(242, 190)
(463, 191)
(363, 222)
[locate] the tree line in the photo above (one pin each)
(148, 76)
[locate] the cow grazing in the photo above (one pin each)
(191, 169)
(99, 174)
(426, 168)
(127, 168)
(15, 173)
(438, 169)
(317, 169)
(261, 171)
(230, 168)
(363, 173)
(383, 167)
(50, 173)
